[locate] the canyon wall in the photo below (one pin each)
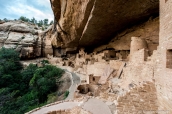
(26, 38)
(84, 23)
(21, 36)
(148, 30)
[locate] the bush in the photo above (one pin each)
(27, 75)
(66, 94)
(52, 98)
(44, 81)
(23, 90)
(9, 67)
(45, 62)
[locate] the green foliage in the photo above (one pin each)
(46, 22)
(45, 62)
(40, 23)
(9, 54)
(33, 20)
(5, 19)
(22, 37)
(24, 19)
(51, 22)
(9, 68)
(52, 98)
(23, 90)
(27, 75)
(66, 94)
(43, 29)
(44, 81)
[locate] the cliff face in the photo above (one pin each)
(91, 23)
(21, 36)
(25, 38)
(148, 31)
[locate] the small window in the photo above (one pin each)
(93, 79)
(169, 59)
(166, 1)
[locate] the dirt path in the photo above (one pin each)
(96, 106)
(93, 105)
(72, 89)
(61, 106)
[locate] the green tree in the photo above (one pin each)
(51, 22)
(33, 20)
(66, 94)
(5, 19)
(44, 81)
(22, 90)
(27, 75)
(24, 19)
(40, 23)
(45, 62)
(9, 68)
(46, 22)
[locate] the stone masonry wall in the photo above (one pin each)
(163, 72)
(76, 110)
(139, 100)
(136, 73)
(139, 56)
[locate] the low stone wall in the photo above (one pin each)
(48, 105)
(139, 100)
(76, 110)
(59, 112)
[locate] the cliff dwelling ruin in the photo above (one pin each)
(121, 51)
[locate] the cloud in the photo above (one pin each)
(43, 2)
(29, 11)
(39, 9)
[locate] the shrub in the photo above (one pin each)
(45, 61)
(44, 81)
(23, 90)
(9, 68)
(52, 98)
(66, 94)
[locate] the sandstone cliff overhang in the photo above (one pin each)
(90, 23)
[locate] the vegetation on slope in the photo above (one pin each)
(21, 89)
(44, 24)
(40, 23)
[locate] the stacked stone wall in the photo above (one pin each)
(139, 100)
(163, 71)
(136, 73)
(76, 110)
(139, 56)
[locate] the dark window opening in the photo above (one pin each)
(169, 59)
(93, 79)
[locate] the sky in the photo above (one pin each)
(13, 9)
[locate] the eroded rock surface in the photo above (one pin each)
(21, 36)
(85, 23)
(148, 31)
